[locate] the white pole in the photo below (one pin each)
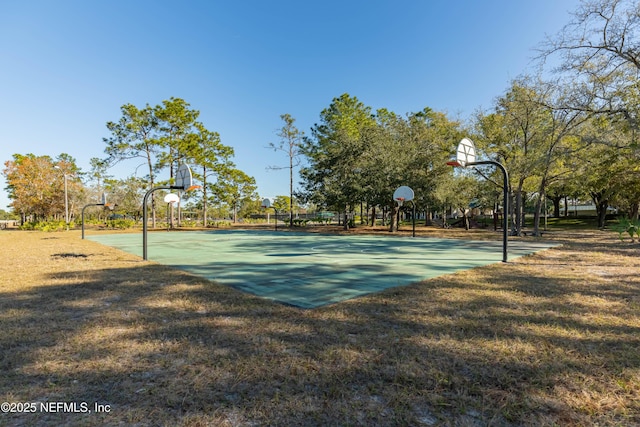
(66, 202)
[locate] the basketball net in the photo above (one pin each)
(400, 201)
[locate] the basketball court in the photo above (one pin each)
(310, 270)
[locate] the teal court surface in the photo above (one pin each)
(309, 270)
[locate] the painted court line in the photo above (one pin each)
(310, 270)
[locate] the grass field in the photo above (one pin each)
(548, 339)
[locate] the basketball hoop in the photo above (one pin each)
(405, 194)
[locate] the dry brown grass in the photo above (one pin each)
(549, 339)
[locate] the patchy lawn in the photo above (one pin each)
(548, 339)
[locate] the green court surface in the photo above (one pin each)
(310, 270)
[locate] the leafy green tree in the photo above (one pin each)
(235, 187)
(332, 177)
(607, 174)
(126, 194)
(599, 54)
(211, 159)
(4, 215)
(176, 123)
(250, 206)
(530, 134)
(283, 203)
(98, 171)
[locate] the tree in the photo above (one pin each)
(607, 175)
(211, 159)
(36, 185)
(136, 135)
(98, 171)
(600, 49)
(282, 203)
(404, 151)
(165, 136)
(458, 191)
(529, 134)
(290, 143)
(332, 177)
(126, 194)
(176, 124)
(355, 156)
(234, 187)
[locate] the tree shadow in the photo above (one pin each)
(500, 345)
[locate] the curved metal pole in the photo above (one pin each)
(86, 206)
(505, 214)
(144, 215)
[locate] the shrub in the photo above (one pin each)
(57, 225)
(120, 223)
(629, 226)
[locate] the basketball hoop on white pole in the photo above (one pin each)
(406, 194)
(170, 199)
(266, 204)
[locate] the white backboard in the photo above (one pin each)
(184, 178)
(171, 198)
(266, 203)
(466, 152)
(403, 193)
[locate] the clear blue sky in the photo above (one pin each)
(67, 66)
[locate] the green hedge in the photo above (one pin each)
(46, 225)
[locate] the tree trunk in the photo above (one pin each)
(465, 219)
(633, 210)
(536, 215)
(538, 207)
(602, 215)
(346, 218)
(516, 217)
(556, 206)
(373, 216)
(290, 190)
(602, 203)
(393, 220)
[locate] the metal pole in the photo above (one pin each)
(144, 216)
(505, 215)
(414, 218)
(276, 218)
(86, 206)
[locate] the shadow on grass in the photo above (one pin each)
(501, 345)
